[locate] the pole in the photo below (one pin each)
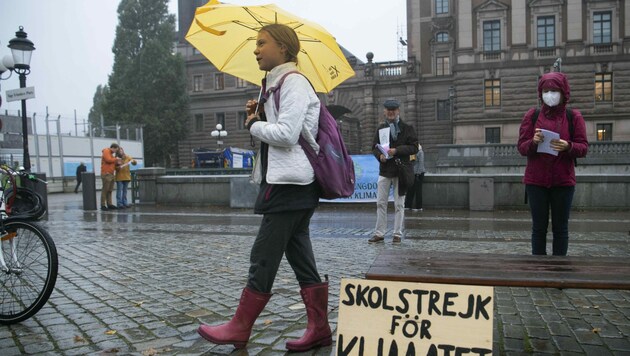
(26, 159)
(91, 149)
(34, 126)
(48, 146)
(60, 141)
(102, 126)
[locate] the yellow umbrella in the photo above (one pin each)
(226, 35)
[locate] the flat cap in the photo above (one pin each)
(391, 104)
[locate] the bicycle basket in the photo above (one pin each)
(25, 203)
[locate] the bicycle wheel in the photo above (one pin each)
(29, 278)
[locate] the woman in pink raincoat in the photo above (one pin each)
(550, 179)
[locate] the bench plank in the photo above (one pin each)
(502, 270)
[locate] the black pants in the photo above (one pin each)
(558, 200)
(78, 184)
(413, 200)
(285, 233)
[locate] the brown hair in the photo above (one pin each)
(285, 36)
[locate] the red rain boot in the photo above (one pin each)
(315, 297)
(237, 330)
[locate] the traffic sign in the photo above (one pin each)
(21, 94)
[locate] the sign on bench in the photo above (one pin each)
(403, 318)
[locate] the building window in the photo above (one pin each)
(443, 110)
(197, 83)
(603, 86)
(220, 119)
(546, 31)
(492, 36)
(198, 122)
(604, 132)
(441, 6)
(241, 83)
(602, 27)
(442, 65)
(241, 116)
(441, 37)
(219, 81)
(493, 135)
(492, 93)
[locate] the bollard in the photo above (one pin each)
(89, 190)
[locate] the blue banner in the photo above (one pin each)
(366, 174)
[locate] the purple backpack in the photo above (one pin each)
(333, 167)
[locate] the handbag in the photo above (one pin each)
(405, 176)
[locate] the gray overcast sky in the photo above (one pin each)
(73, 41)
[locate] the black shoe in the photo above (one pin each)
(113, 207)
(104, 208)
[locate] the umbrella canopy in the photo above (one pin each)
(226, 35)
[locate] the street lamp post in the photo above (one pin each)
(21, 49)
(218, 133)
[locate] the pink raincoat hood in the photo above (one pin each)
(555, 80)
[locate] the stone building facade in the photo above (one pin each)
(471, 74)
(482, 59)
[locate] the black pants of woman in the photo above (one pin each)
(285, 233)
(557, 200)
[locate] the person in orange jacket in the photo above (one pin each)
(108, 170)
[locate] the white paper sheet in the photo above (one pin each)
(383, 138)
(545, 145)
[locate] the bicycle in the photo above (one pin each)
(28, 256)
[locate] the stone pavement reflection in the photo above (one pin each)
(140, 281)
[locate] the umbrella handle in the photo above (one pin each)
(258, 102)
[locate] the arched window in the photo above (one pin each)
(441, 37)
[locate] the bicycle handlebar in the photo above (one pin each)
(21, 173)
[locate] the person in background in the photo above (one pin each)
(80, 169)
(550, 179)
(123, 177)
(403, 143)
(413, 199)
(288, 197)
(108, 169)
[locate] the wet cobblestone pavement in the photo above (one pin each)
(139, 281)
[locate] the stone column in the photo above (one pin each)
(464, 33)
(519, 22)
(574, 20)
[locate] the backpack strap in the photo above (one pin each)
(275, 90)
(571, 124)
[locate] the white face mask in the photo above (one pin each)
(551, 98)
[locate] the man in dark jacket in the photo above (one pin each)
(80, 169)
(393, 143)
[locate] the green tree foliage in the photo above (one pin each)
(148, 83)
(94, 117)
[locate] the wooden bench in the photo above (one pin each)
(502, 270)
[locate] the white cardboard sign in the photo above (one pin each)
(402, 318)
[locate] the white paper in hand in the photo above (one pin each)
(384, 150)
(383, 138)
(545, 145)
